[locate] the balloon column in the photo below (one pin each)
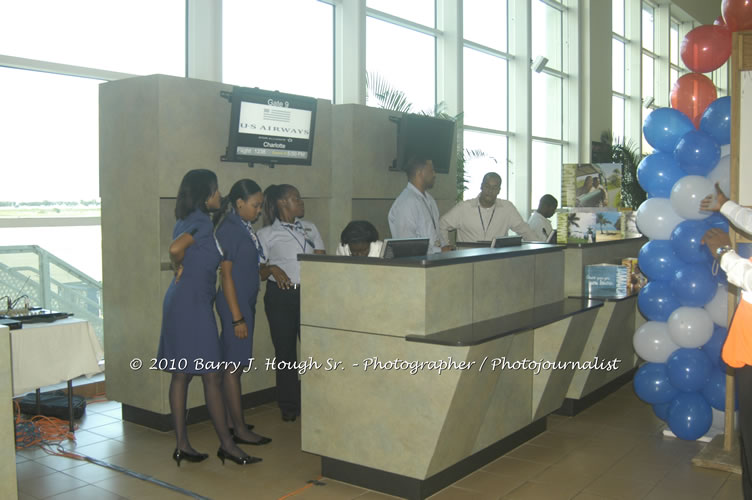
(684, 302)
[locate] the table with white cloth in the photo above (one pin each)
(45, 354)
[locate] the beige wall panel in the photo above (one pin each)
(129, 151)
(340, 299)
(492, 294)
(8, 483)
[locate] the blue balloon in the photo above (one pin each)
(718, 220)
(664, 127)
(651, 384)
(690, 416)
(656, 301)
(661, 410)
(686, 241)
(658, 173)
(688, 369)
(716, 120)
(657, 260)
(714, 391)
(693, 285)
(697, 153)
(714, 346)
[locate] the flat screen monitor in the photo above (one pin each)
(407, 247)
(506, 241)
(427, 137)
(270, 127)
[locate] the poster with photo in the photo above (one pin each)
(591, 185)
(592, 227)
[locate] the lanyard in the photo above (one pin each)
(305, 240)
(430, 213)
(489, 220)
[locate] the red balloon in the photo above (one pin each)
(706, 48)
(692, 93)
(719, 21)
(737, 14)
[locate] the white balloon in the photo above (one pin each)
(687, 194)
(652, 342)
(656, 219)
(718, 306)
(690, 326)
(722, 174)
(725, 150)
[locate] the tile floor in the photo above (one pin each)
(614, 450)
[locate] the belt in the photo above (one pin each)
(293, 286)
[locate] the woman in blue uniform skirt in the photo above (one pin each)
(236, 298)
(188, 343)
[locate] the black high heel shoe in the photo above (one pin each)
(262, 440)
(247, 460)
(179, 455)
(248, 426)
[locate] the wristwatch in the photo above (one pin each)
(722, 250)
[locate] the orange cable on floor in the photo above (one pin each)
(41, 430)
(300, 490)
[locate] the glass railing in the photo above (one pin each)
(31, 272)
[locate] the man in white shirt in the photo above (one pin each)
(539, 222)
(485, 217)
(414, 214)
(737, 350)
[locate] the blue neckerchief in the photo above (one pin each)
(249, 227)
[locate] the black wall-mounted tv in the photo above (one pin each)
(270, 127)
(425, 136)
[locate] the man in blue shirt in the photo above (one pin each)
(414, 214)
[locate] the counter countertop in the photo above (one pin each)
(442, 259)
(529, 319)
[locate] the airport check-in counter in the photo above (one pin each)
(431, 367)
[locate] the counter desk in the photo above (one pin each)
(430, 367)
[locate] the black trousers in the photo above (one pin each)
(283, 312)
(744, 392)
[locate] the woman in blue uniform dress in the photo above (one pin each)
(188, 342)
(236, 298)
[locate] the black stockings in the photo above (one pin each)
(214, 403)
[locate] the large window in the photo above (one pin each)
(547, 99)
(294, 55)
(485, 23)
(648, 67)
(418, 11)
(674, 67)
(484, 152)
(50, 159)
(618, 59)
(140, 37)
(485, 86)
(404, 57)
(485, 90)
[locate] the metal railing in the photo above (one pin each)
(51, 283)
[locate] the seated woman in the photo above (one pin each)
(360, 239)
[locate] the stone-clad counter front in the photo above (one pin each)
(411, 407)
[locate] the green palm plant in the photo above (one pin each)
(601, 220)
(383, 94)
(619, 150)
(572, 220)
